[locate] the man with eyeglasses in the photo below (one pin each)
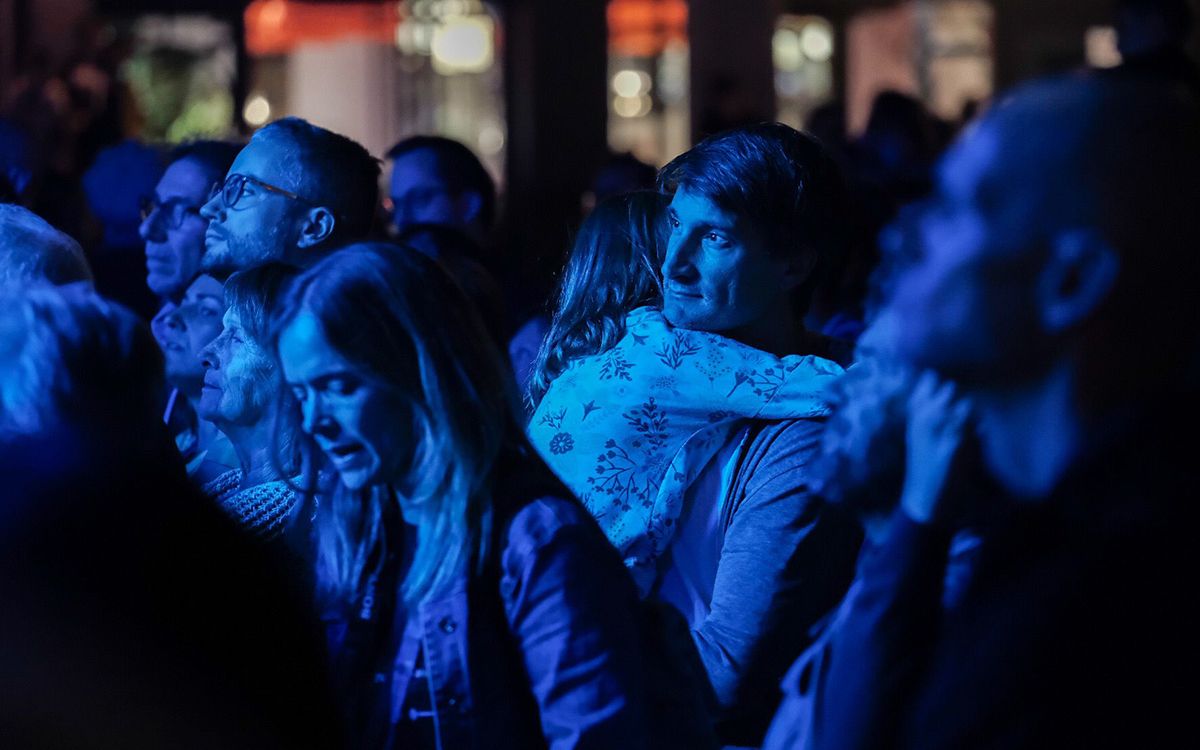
(171, 223)
(293, 194)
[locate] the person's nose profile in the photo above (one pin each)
(314, 420)
(677, 264)
(212, 207)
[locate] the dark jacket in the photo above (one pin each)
(544, 648)
(1074, 628)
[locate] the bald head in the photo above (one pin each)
(32, 251)
(1121, 156)
(1064, 226)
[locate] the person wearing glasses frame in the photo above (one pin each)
(293, 194)
(172, 226)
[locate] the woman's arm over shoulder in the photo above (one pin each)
(573, 611)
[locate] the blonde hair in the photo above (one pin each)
(404, 324)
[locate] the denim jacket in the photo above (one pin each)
(540, 650)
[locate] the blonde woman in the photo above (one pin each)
(470, 601)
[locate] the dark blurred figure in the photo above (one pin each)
(294, 194)
(172, 226)
(134, 615)
(244, 395)
(1152, 36)
(16, 162)
(456, 252)
(115, 185)
(437, 180)
(899, 146)
(32, 252)
(827, 123)
(622, 173)
(182, 330)
(1052, 304)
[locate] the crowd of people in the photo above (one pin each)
(810, 449)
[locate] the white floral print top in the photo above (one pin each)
(629, 430)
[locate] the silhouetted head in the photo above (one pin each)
(33, 252)
(622, 173)
(437, 180)
(184, 328)
(753, 212)
(171, 222)
(1063, 226)
(74, 360)
(294, 193)
(1145, 27)
(399, 386)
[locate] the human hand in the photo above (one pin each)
(937, 431)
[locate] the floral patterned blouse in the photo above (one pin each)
(629, 430)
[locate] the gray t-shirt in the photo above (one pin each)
(782, 560)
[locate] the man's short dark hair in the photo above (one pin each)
(781, 179)
(333, 171)
(214, 157)
(458, 166)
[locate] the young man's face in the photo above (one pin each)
(261, 225)
(719, 274)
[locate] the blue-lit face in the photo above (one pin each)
(239, 379)
(173, 252)
(363, 428)
(183, 330)
(718, 274)
(420, 195)
(263, 225)
(962, 306)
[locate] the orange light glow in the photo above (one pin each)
(275, 27)
(642, 28)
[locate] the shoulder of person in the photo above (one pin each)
(772, 442)
(774, 460)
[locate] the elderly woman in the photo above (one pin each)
(241, 394)
(470, 601)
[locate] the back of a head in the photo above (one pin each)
(622, 173)
(73, 358)
(612, 269)
(32, 251)
(781, 179)
(458, 253)
(458, 166)
(136, 614)
(335, 171)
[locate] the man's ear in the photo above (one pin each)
(316, 226)
(470, 204)
(796, 270)
(1080, 271)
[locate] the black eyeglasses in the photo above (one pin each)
(234, 186)
(172, 212)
